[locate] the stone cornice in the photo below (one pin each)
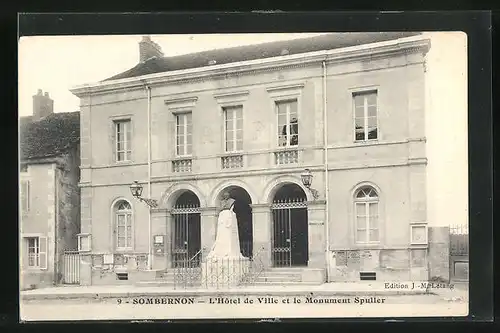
(399, 46)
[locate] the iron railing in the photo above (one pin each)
(459, 240)
(200, 272)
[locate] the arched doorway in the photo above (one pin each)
(243, 212)
(290, 227)
(186, 230)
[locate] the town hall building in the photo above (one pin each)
(320, 140)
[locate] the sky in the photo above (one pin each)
(57, 63)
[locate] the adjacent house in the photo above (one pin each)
(49, 195)
(249, 120)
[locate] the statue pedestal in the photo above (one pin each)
(224, 272)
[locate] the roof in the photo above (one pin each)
(50, 136)
(258, 51)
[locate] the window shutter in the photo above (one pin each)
(43, 252)
(113, 141)
(28, 195)
(24, 253)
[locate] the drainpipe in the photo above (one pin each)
(150, 255)
(325, 147)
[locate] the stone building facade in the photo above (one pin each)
(49, 193)
(250, 120)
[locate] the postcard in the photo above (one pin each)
(267, 176)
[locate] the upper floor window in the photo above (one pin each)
(25, 195)
(36, 249)
(233, 127)
(184, 134)
(123, 147)
(365, 116)
(288, 124)
(366, 202)
(123, 225)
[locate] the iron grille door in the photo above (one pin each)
(186, 234)
(284, 240)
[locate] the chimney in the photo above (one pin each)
(43, 105)
(149, 49)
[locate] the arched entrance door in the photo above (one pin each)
(186, 230)
(243, 212)
(290, 227)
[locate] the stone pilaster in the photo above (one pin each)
(261, 220)
(85, 269)
(316, 232)
(208, 228)
(159, 226)
(439, 253)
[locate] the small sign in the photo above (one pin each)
(159, 239)
(315, 222)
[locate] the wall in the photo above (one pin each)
(39, 221)
(68, 206)
(394, 163)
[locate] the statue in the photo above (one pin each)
(227, 240)
(224, 265)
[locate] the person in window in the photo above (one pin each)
(294, 132)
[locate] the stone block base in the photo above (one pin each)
(109, 277)
(313, 276)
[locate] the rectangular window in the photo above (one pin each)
(124, 231)
(184, 134)
(123, 140)
(25, 196)
(36, 249)
(367, 229)
(365, 116)
(288, 124)
(233, 127)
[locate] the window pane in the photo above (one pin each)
(373, 221)
(120, 242)
(373, 235)
(359, 100)
(360, 209)
(121, 156)
(239, 123)
(180, 140)
(121, 231)
(239, 113)
(229, 145)
(372, 134)
(239, 135)
(372, 111)
(294, 140)
(361, 235)
(293, 108)
(121, 220)
(189, 139)
(229, 114)
(229, 126)
(188, 118)
(281, 120)
(361, 222)
(189, 149)
(180, 130)
(372, 99)
(373, 208)
(359, 123)
(372, 122)
(281, 108)
(129, 242)
(239, 145)
(129, 229)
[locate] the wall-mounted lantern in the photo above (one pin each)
(136, 190)
(307, 178)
